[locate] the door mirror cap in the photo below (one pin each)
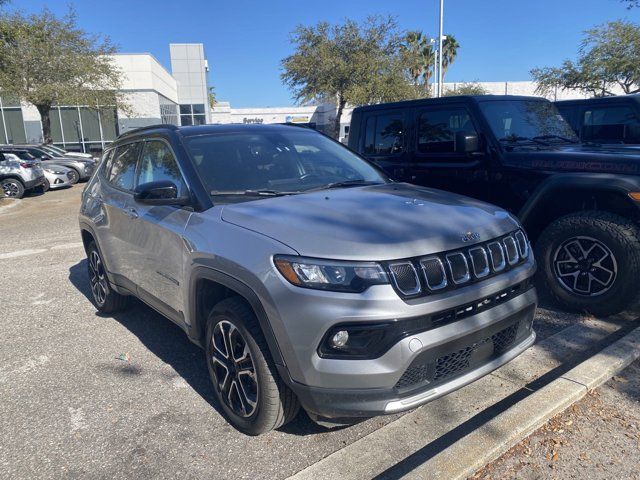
(162, 192)
(466, 142)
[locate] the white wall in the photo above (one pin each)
(141, 71)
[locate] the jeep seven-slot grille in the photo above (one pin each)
(415, 277)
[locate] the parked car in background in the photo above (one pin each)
(606, 120)
(58, 176)
(307, 276)
(18, 176)
(579, 203)
(82, 169)
(64, 153)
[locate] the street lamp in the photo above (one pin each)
(441, 38)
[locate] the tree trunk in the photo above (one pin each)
(46, 123)
(336, 124)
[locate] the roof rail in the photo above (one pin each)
(148, 127)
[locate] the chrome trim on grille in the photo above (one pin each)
(486, 269)
(523, 245)
(499, 266)
(395, 281)
(467, 275)
(443, 284)
(510, 244)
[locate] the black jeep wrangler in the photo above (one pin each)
(579, 203)
(604, 120)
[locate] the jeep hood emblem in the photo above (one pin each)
(468, 236)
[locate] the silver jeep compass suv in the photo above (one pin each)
(305, 274)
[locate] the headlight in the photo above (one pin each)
(330, 274)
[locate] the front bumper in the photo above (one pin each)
(450, 357)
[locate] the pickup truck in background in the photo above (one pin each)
(605, 120)
(580, 203)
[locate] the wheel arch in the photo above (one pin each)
(565, 194)
(207, 287)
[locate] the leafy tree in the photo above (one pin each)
(347, 63)
(46, 60)
(466, 89)
(211, 95)
(450, 48)
(608, 56)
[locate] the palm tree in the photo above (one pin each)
(449, 51)
(418, 56)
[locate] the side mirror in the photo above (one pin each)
(466, 142)
(162, 192)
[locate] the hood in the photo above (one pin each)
(578, 158)
(379, 222)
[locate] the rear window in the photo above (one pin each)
(384, 134)
(122, 171)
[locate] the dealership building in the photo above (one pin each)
(153, 93)
(178, 96)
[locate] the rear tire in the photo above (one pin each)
(590, 262)
(237, 354)
(12, 188)
(105, 298)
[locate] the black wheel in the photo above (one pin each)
(590, 261)
(12, 188)
(105, 298)
(74, 176)
(245, 379)
(44, 188)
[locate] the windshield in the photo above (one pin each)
(288, 161)
(51, 151)
(530, 120)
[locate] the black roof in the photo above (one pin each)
(446, 100)
(635, 97)
(189, 131)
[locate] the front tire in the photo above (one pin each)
(590, 262)
(12, 188)
(105, 298)
(74, 176)
(246, 383)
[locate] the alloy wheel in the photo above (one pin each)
(234, 369)
(11, 189)
(585, 266)
(97, 278)
(73, 177)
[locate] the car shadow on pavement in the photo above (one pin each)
(170, 344)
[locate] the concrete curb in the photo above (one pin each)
(488, 442)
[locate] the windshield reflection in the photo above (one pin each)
(532, 121)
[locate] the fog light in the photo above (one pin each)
(340, 339)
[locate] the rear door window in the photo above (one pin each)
(384, 134)
(618, 123)
(122, 172)
(437, 129)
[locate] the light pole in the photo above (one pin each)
(440, 42)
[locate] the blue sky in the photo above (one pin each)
(245, 40)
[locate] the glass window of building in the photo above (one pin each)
(84, 129)
(193, 114)
(11, 121)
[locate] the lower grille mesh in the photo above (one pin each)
(455, 363)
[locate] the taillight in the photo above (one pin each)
(27, 165)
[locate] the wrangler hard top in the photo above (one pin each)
(580, 203)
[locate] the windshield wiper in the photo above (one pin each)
(559, 137)
(345, 183)
(517, 138)
(255, 193)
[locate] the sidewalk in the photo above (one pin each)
(596, 438)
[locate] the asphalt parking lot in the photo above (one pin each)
(126, 396)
